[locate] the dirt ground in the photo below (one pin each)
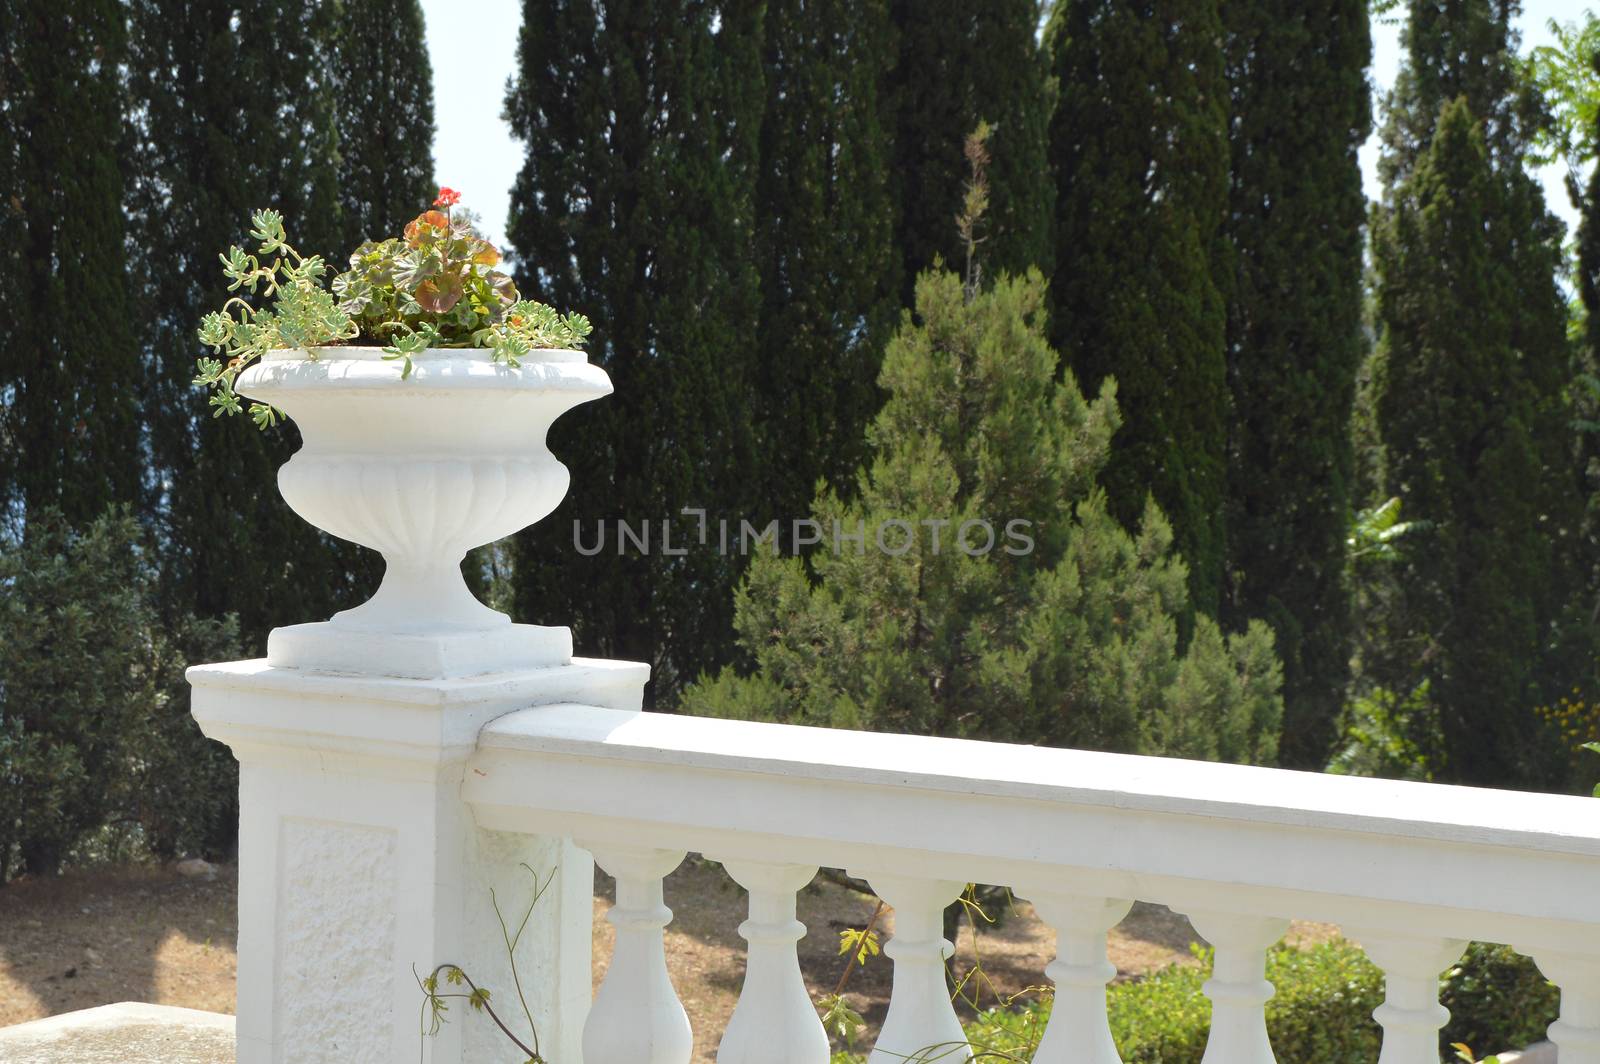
(148, 934)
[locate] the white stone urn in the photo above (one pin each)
(421, 470)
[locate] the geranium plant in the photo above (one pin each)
(436, 285)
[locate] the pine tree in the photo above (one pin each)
(957, 64)
(1300, 113)
(69, 371)
(823, 239)
(384, 114)
(1139, 148)
(635, 207)
(205, 158)
(1050, 624)
(1470, 379)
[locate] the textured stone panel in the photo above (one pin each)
(337, 937)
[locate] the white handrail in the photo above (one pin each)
(1415, 866)
(1484, 863)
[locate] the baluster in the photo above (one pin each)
(1577, 1033)
(1238, 988)
(921, 1026)
(1411, 1014)
(1079, 1032)
(774, 1022)
(636, 1017)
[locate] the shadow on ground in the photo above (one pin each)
(126, 934)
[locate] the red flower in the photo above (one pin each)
(448, 197)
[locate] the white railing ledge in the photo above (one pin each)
(1401, 809)
(1453, 862)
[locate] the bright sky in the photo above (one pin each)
(473, 56)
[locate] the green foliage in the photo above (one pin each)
(70, 361)
(1452, 51)
(955, 64)
(1299, 113)
(1320, 1013)
(436, 1002)
(436, 287)
(1139, 148)
(1389, 737)
(94, 721)
(636, 203)
(1567, 77)
(1586, 276)
(303, 314)
(1497, 999)
(1471, 381)
(1376, 531)
(383, 112)
(863, 944)
(210, 83)
(1071, 640)
(829, 271)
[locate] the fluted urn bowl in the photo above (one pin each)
(421, 470)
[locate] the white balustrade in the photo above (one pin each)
(774, 1021)
(392, 805)
(1577, 1033)
(1241, 850)
(637, 1017)
(921, 1025)
(1238, 987)
(1411, 1014)
(1078, 1032)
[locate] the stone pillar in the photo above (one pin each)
(360, 868)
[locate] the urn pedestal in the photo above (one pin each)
(360, 867)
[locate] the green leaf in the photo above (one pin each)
(264, 415)
(268, 229)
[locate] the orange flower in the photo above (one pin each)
(448, 197)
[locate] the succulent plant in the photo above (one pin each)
(436, 285)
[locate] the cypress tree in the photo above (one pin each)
(1588, 273)
(1300, 112)
(384, 114)
(635, 207)
(69, 379)
(823, 240)
(957, 64)
(1139, 146)
(1470, 379)
(205, 158)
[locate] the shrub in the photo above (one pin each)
(1321, 1013)
(1498, 1000)
(97, 747)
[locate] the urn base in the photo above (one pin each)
(330, 647)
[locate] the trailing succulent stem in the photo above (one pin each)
(436, 1003)
(303, 314)
(434, 286)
